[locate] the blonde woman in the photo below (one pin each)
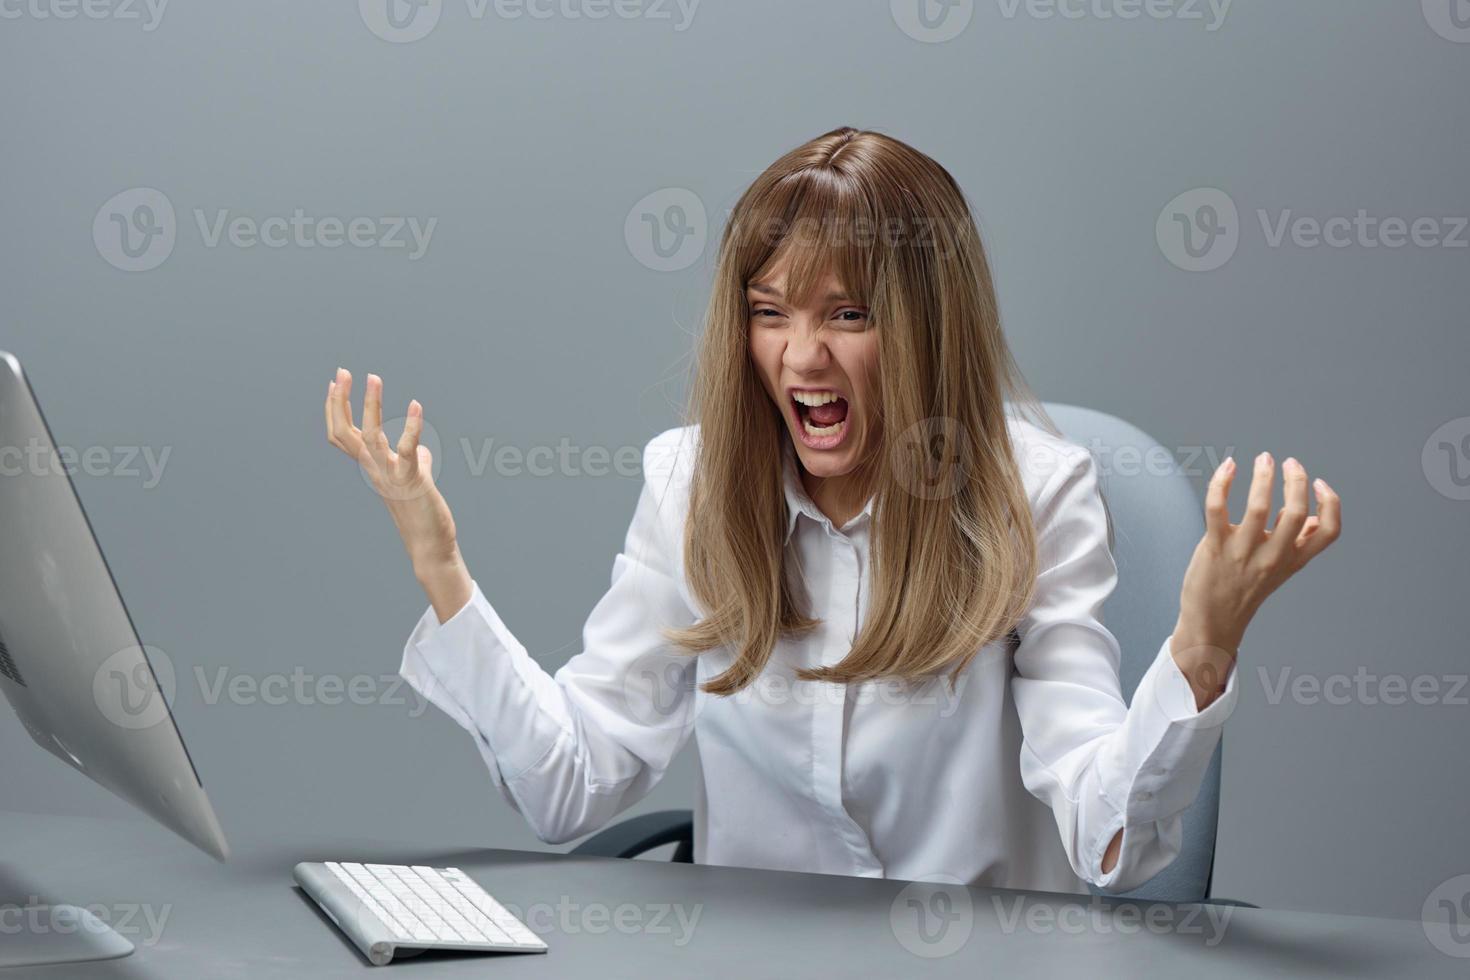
(870, 592)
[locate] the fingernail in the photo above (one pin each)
(1291, 463)
(1263, 459)
(1321, 485)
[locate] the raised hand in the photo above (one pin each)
(1237, 566)
(403, 477)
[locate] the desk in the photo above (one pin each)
(608, 918)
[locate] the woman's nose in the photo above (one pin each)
(806, 351)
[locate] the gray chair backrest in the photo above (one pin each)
(1158, 520)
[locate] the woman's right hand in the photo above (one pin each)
(403, 477)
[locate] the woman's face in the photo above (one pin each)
(819, 364)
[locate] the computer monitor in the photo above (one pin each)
(72, 666)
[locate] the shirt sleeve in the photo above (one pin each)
(1101, 764)
(572, 750)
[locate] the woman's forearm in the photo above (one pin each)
(447, 583)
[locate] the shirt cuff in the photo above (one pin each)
(474, 670)
(1155, 769)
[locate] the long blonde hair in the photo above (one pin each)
(953, 549)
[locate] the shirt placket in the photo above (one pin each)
(841, 619)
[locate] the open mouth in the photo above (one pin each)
(821, 417)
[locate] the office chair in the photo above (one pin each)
(1158, 518)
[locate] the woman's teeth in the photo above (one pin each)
(821, 431)
(823, 413)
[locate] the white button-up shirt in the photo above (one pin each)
(1019, 777)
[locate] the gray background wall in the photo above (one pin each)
(530, 319)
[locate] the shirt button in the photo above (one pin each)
(1143, 797)
(1157, 771)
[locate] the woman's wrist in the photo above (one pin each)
(446, 581)
(1205, 658)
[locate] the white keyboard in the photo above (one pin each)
(385, 907)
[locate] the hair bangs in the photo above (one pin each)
(816, 222)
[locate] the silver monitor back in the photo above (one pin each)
(71, 663)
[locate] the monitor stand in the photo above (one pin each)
(34, 935)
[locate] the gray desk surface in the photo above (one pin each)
(193, 918)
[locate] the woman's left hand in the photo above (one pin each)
(1236, 566)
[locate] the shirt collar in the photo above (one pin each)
(798, 501)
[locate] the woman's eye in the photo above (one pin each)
(767, 313)
(852, 316)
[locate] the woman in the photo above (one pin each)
(871, 593)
